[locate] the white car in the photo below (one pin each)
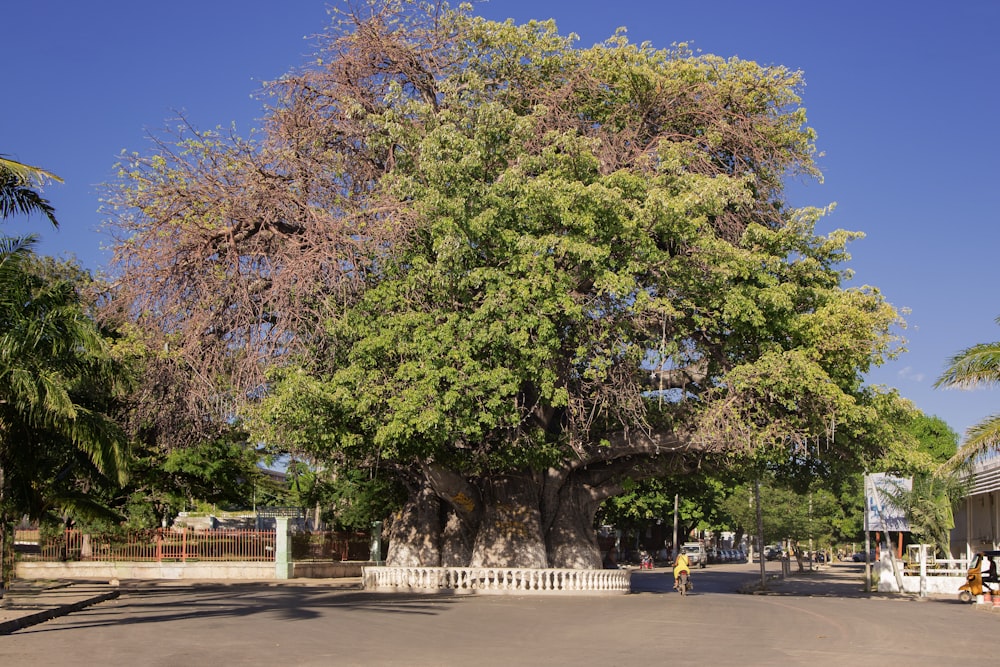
(695, 551)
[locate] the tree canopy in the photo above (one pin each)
(510, 272)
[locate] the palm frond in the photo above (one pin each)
(56, 372)
(976, 366)
(25, 172)
(928, 505)
(82, 505)
(980, 439)
(102, 441)
(20, 194)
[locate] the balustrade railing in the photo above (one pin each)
(496, 580)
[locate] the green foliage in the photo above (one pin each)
(58, 384)
(539, 262)
(357, 499)
(20, 190)
(58, 379)
(640, 503)
(222, 473)
(935, 437)
(483, 255)
(702, 504)
(977, 366)
(928, 506)
(815, 515)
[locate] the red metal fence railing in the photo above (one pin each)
(182, 545)
(158, 545)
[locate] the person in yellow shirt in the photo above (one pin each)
(680, 565)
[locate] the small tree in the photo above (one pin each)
(938, 480)
(928, 505)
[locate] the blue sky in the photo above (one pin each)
(904, 96)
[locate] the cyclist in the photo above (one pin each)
(681, 565)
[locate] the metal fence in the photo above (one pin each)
(185, 544)
(330, 545)
(162, 544)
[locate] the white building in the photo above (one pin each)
(977, 517)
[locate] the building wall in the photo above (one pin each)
(977, 517)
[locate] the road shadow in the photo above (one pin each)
(164, 603)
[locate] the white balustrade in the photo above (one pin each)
(496, 580)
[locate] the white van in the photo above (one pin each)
(695, 551)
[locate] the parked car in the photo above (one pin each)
(773, 553)
(697, 556)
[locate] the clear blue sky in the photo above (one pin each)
(905, 96)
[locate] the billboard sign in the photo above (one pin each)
(881, 513)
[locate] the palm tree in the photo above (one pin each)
(928, 504)
(976, 366)
(56, 380)
(55, 370)
(19, 193)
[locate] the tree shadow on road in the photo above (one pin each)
(164, 604)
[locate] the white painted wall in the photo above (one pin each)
(936, 584)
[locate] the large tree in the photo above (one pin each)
(509, 272)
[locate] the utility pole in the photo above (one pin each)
(677, 498)
(868, 563)
(760, 533)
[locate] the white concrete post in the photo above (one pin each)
(923, 570)
(282, 549)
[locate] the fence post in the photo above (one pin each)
(375, 548)
(923, 570)
(282, 549)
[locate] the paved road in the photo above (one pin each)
(261, 624)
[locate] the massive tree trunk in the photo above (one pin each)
(514, 520)
(510, 533)
(524, 519)
(456, 541)
(415, 531)
(570, 538)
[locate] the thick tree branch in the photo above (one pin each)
(679, 378)
(456, 491)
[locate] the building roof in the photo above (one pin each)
(985, 476)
